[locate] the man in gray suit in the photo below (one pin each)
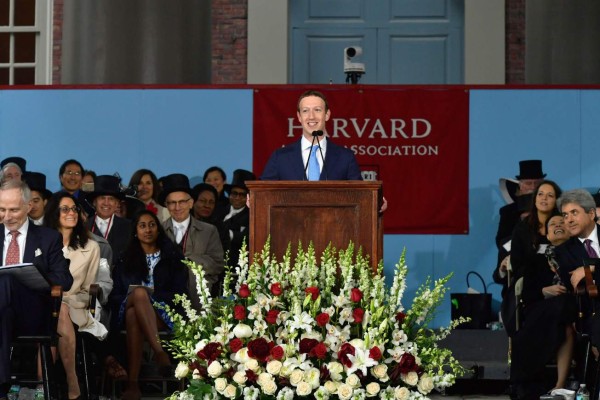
(198, 240)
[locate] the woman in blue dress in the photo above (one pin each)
(150, 273)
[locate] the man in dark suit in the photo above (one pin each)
(22, 310)
(579, 210)
(237, 220)
(105, 198)
(292, 162)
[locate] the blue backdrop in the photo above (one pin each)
(188, 130)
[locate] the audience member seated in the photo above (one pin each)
(549, 312)
(64, 215)
(205, 200)
(237, 220)
(198, 240)
(87, 182)
(216, 177)
(148, 190)
(12, 168)
(106, 197)
(149, 273)
(39, 196)
(579, 211)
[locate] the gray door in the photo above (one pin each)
(403, 41)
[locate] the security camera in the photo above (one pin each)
(349, 54)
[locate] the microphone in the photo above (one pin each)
(315, 134)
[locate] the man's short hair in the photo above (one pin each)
(315, 93)
(63, 167)
(581, 197)
(22, 186)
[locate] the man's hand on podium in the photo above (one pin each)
(383, 206)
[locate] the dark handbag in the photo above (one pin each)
(476, 306)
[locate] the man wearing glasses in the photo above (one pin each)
(237, 219)
(198, 240)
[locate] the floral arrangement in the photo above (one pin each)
(303, 329)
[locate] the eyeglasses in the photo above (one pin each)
(71, 173)
(65, 209)
(180, 203)
(143, 225)
(237, 194)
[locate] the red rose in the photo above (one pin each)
(322, 319)
(244, 291)
(276, 289)
(319, 351)
(407, 363)
(210, 352)
(259, 349)
(277, 352)
(346, 349)
(400, 317)
(358, 314)
(355, 295)
(313, 291)
(235, 344)
(239, 312)
(271, 317)
(375, 353)
(306, 345)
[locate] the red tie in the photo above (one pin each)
(13, 255)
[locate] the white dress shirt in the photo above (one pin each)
(20, 241)
(306, 147)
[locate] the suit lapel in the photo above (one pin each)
(297, 164)
(31, 243)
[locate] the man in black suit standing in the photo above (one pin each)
(237, 220)
(22, 310)
(331, 162)
(105, 198)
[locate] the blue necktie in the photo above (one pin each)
(313, 165)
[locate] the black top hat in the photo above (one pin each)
(21, 162)
(37, 181)
(106, 185)
(203, 187)
(174, 183)
(530, 169)
(240, 176)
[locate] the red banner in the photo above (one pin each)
(416, 141)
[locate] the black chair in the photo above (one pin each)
(45, 342)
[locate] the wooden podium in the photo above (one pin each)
(321, 212)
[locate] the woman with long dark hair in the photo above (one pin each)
(64, 214)
(147, 190)
(548, 311)
(150, 272)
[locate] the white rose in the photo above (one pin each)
(240, 377)
(344, 391)
(331, 387)
(251, 364)
(425, 384)
(182, 370)
(353, 381)
(380, 372)
(215, 369)
(312, 376)
(372, 389)
(401, 393)
(230, 391)
(358, 343)
(269, 388)
(242, 331)
(220, 384)
(411, 378)
(304, 389)
(263, 377)
(296, 377)
(273, 367)
(335, 370)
